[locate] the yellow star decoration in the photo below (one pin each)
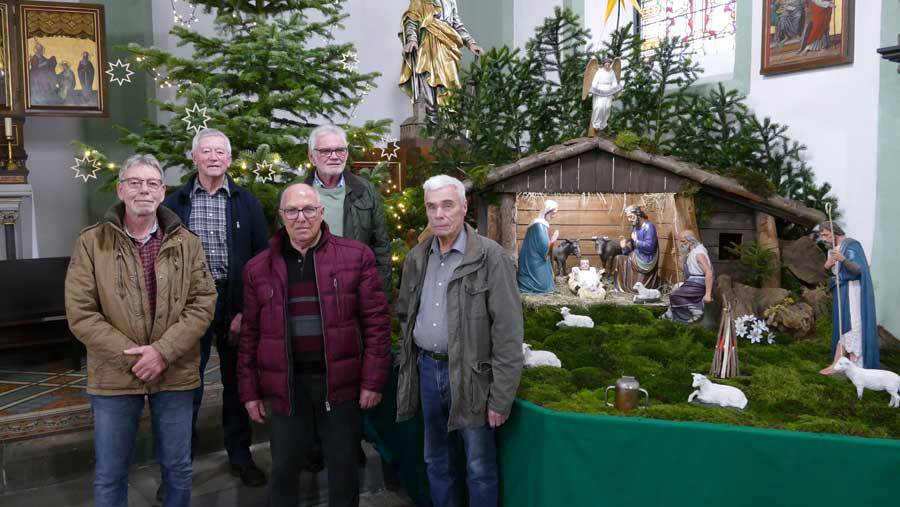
(610, 4)
(86, 168)
(264, 172)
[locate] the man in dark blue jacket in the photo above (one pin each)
(232, 227)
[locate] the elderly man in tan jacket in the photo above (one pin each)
(139, 295)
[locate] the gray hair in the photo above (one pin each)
(135, 160)
(209, 133)
(442, 180)
(322, 130)
(835, 229)
(690, 238)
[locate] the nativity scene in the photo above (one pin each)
(462, 246)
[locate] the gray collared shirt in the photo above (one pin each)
(430, 332)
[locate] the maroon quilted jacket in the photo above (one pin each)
(355, 321)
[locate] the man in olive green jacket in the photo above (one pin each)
(461, 353)
(139, 295)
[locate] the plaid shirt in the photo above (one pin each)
(148, 250)
(208, 221)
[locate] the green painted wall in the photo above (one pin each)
(886, 252)
(129, 104)
(490, 22)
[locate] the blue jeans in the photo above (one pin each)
(478, 443)
(116, 421)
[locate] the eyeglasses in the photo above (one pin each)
(294, 213)
(328, 152)
(136, 183)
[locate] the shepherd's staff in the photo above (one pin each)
(837, 274)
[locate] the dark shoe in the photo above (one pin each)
(250, 474)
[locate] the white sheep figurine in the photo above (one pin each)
(717, 394)
(539, 357)
(645, 294)
(874, 380)
(570, 320)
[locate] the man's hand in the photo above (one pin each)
(368, 399)
(234, 330)
(256, 410)
(411, 47)
(150, 365)
(837, 255)
(476, 49)
(495, 420)
(708, 298)
(634, 236)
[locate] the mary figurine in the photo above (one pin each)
(535, 274)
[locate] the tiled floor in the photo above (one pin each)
(41, 396)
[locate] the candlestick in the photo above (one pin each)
(10, 163)
(7, 124)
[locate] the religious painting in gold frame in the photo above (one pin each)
(63, 59)
(806, 34)
(5, 62)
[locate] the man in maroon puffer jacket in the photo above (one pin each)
(314, 343)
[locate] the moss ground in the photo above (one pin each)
(781, 380)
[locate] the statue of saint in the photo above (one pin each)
(601, 81)
(433, 36)
(640, 263)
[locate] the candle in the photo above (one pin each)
(7, 125)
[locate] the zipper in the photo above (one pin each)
(324, 341)
(288, 345)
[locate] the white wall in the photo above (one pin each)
(834, 112)
(528, 14)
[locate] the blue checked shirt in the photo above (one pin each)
(319, 184)
(208, 220)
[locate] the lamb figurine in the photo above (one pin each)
(644, 294)
(539, 357)
(717, 394)
(570, 320)
(874, 380)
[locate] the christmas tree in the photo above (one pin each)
(270, 74)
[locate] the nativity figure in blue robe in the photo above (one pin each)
(535, 274)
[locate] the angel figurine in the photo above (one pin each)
(602, 81)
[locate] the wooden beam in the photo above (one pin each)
(508, 225)
(767, 239)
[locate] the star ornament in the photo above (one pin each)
(264, 172)
(386, 149)
(86, 168)
(196, 118)
(124, 68)
(611, 4)
(349, 60)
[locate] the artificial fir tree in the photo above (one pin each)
(270, 74)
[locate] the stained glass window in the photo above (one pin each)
(708, 25)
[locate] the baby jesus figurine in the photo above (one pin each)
(584, 281)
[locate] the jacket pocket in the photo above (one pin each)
(479, 386)
(476, 300)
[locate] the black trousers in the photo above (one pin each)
(291, 438)
(235, 421)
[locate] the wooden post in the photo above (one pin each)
(508, 225)
(685, 219)
(767, 239)
(493, 229)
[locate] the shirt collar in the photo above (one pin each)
(318, 183)
(145, 239)
(459, 244)
(198, 186)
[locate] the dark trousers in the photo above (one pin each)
(291, 437)
(235, 421)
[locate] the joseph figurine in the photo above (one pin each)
(433, 36)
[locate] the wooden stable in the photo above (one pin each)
(593, 180)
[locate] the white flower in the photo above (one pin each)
(742, 324)
(771, 338)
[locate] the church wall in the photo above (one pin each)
(886, 255)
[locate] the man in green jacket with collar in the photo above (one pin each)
(461, 353)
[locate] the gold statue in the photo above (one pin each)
(433, 36)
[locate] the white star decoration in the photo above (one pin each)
(196, 118)
(126, 68)
(349, 60)
(386, 149)
(86, 168)
(264, 172)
